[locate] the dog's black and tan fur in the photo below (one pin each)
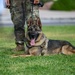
(43, 46)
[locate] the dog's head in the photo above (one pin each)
(33, 34)
(36, 21)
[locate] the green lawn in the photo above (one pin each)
(36, 65)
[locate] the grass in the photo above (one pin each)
(37, 65)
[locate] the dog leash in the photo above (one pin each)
(40, 4)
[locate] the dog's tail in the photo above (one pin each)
(67, 49)
(73, 48)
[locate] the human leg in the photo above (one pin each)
(18, 20)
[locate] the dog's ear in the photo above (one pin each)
(30, 21)
(39, 22)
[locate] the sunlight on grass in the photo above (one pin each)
(48, 34)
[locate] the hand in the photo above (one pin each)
(7, 2)
(36, 1)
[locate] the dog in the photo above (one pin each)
(38, 44)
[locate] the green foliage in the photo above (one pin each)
(64, 5)
(36, 65)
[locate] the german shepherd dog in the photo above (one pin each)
(38, 44)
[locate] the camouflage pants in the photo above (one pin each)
(21, 12)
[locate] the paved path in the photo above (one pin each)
(57, 17)
(47, 17)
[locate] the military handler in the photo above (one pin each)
(20, 12)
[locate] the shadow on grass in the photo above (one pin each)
(10, 51)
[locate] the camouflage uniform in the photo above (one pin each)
(21, 11)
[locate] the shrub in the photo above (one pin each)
(63, 5)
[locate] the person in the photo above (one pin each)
(20, 12)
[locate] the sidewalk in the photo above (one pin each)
(57, 17)
(57, 14)
(47, 17)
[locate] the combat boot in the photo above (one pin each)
(20, 47)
